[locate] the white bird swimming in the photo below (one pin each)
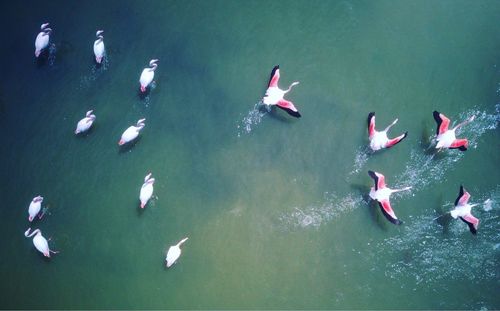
(381, 193)
(146, 190)
(463, 210)
(34, 208)
(40, 242)
(85, 123)
(174, 252)
(148, 75)
(132, 132)
(379, 140)
(274, 95)
(99, 50)
(42, 39)
(446, 138)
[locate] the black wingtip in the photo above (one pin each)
(460, 194)
(272, 73)
(392, 220)
(291, 112)
(406, 134)
(462, 148)
(372, 174)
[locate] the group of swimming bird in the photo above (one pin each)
(130, 134)
(274, 96)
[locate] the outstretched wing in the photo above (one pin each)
(386, 208)
(275, 76)
(371, 124)
(442, 121)
(463, 196)
(289, 107)
(472, 222)
(378, 178)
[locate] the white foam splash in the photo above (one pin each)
(424, 168)
(360, 159)
(252, 118)
(430, 252)
(315, 215)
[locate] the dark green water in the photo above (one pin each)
(275, 208)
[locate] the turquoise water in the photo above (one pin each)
(275, 208)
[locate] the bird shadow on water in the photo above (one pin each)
(128, 146)
(278, 115)
(373, 207)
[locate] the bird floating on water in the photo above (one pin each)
(463, 210)
(42, 39)
(40, 242)
(85, 123)
(146, 190)
(174, 252)
(99, 50)
(381, 193)
(132, 132)
(379, 140)
(34, 208)
(148, 75)
(446, 138)
(274, 95)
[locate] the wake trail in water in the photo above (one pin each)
(360, 159)
(252, 119)
(316, 215)
(430, 252)
(426, 168)
(52, 54)
(96, 71)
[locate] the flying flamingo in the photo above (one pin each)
(34, 208)
(445, 137)
(99, 46)
(40, 242)
(381, 194)
(42, 39)
(146, 190)
(85, 123)
(462, 209)
(132, 132)
(274, 95)
(379, 140)
(174, 252)
(148, 74)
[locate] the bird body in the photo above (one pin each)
(381, 193)
(379, 140)
(274, 95)
(99, 49)
(85, 123)
(174, 252)
(146, 190)
(40, 242)
(148, 75)
(132, 132)
(34, 208)
(42, 39)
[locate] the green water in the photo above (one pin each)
(275, 208)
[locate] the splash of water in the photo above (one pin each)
(360, 159)
(252, 118)
(96, 70)
(316, 215)
(430, 252)
(52, 54)
(423, 169)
